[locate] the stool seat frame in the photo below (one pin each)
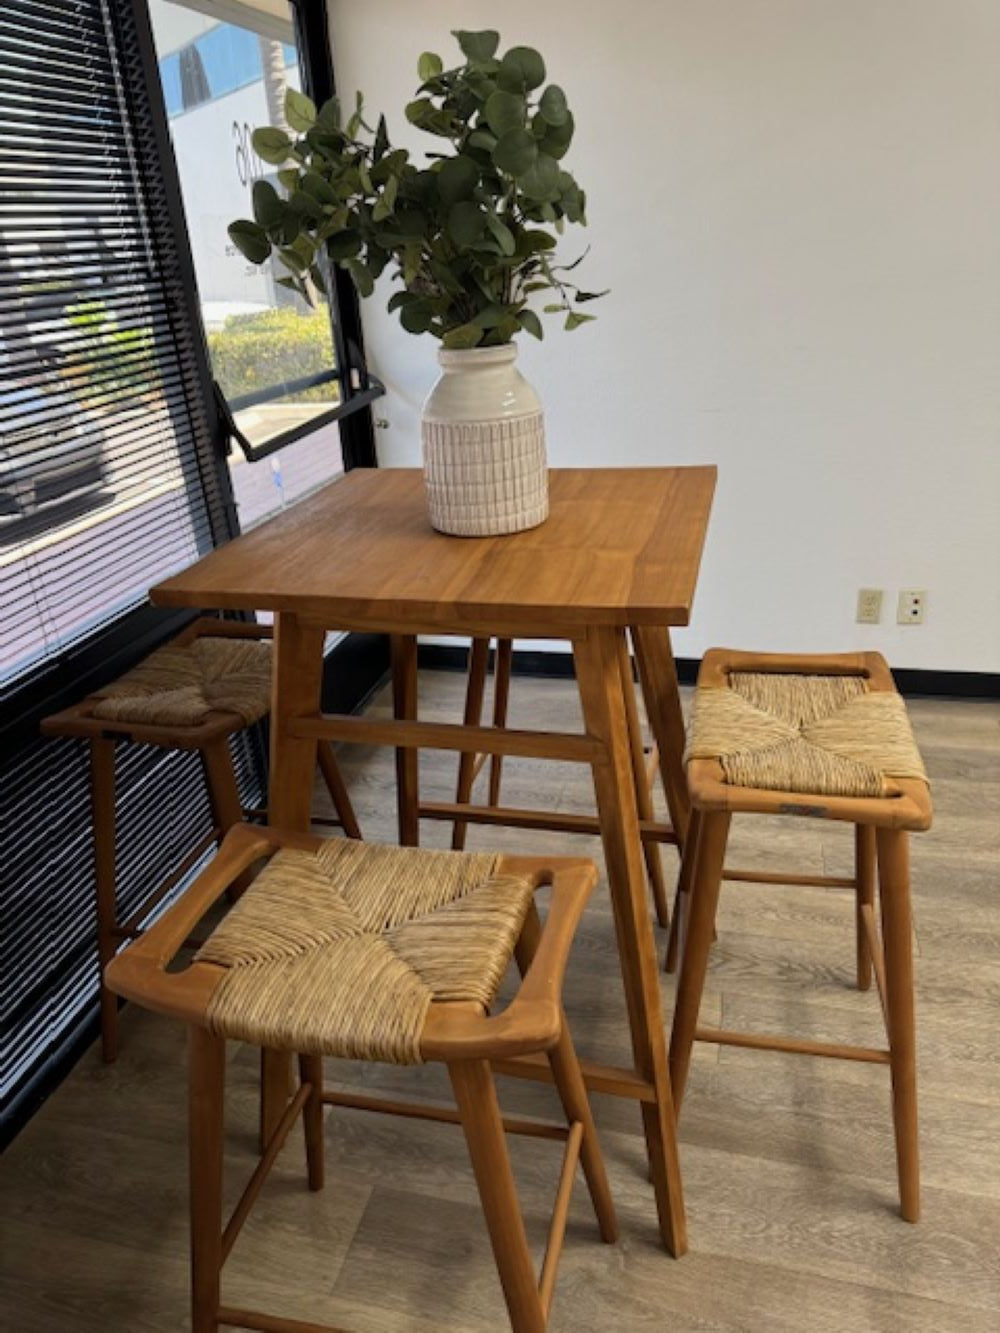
(461, 1035)
(882, 825)
(210, 738)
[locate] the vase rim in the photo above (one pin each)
(455, 357)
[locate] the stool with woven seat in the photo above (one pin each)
(197, 691)
(826, 737)
(388, 954)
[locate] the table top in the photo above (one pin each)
(621, 546)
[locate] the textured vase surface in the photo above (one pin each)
(484, 445)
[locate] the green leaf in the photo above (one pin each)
(482, 139)
(466, 223)
(345, 245)
(541, 180)
(501, 233)
(305, 205)
(559, 137)
(318, 186)
(574, 319)
(292, 259)
(316, 273)
(478, 45)
(251, 240)
(386, 201)
(271, 145)
(522, 68)
(381, 145)
(505, 111)
(328, 116)
(530, 322)
(363, 279)
(288, 177)
(429, 66)
(446, 278)
(515, 152)
(457, 179)
(533, 240)
(268, 209)
(300, 110)
(491, 316)
(590, 296)
(552, 105)
(416, 316)
(466, 335)
(553, 308)
(401, 298)
(366, 181)
(418, 110)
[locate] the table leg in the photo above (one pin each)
(658, 676)
(599, 679)
(404, 703)
(296, 686)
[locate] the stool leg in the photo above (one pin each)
(864, 896)
(477, 1103)
(336, 786)
(568, 1079)
(897, 936)
(102, 796)
(703, 901)
(479, 656)
(311, 1072)
(682, 897)
(501, 696)
(205, 1109)
(643, 796)
(224, 798)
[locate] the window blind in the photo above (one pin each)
(105, 481)
(109, 480)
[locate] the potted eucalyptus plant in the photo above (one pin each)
(471, 239)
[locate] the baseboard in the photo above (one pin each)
(553, 663)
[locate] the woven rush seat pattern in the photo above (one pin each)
(341, 951)
(824, 735)
(181, 684)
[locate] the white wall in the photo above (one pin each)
(797, 206)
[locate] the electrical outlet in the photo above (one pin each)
(869, 606)
(911, 606)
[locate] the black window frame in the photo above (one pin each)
(359, 388)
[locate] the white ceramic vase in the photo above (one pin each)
(484, 445)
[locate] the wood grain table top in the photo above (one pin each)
(621, 546)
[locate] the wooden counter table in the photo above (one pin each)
(619, 553)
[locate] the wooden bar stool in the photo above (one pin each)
(375, 953)
(826, 737)
(209, 683)
(645, 762)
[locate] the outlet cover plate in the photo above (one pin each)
(869, 606)
(911, 606)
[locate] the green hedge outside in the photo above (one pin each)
(252, 352)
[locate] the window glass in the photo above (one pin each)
(223, 76)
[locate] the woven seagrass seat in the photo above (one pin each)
(342, 950)
(195, 693)
(817, 735)
(375, 953)
(182, 684)
(827, 737)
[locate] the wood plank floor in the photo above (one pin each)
(788, 1162)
